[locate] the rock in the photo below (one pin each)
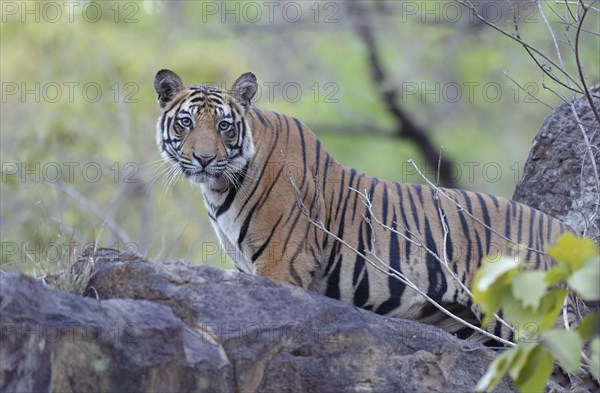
(558, 178)
(53, 341)
(175, 327)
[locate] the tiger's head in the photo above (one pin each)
(203, 129)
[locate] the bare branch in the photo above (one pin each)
(462, 209)
(383, 267)
(389, 271)
(407, 127)
(529, 48)
(580, 67)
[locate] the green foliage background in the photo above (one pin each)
(532, 301)
(123, 49)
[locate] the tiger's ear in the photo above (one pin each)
(244, 88)
(167, 84)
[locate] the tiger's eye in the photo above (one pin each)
(224, 126)
(185, 122)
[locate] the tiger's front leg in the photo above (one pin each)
(242, 264)
(293, 260)
(277, 252)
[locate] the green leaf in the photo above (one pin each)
(572, 250)
(595, 357)
(491, 281)
(491, 299)
(492, 376)
(529, 287)
(566, 346)
(496, 371)
(585, 281)
(490, 271)
(534, 376)
(525, 322)
(589, 325)
(528, 324)
(551, 307)
(520, 359)
(557, 273)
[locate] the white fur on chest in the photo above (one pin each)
(227, 229)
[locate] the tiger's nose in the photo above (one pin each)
(203, 160)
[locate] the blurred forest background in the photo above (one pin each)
(78, 111)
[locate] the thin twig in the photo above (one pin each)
(526, 45)
(420, 243)
(462, 209)
(580, 67)
(389, 271)
(381, 265)
(592, 160)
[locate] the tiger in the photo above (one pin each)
(284, 208)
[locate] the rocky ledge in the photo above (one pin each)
(172, 327)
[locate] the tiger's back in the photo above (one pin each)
(434, 237)
(284, 208)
